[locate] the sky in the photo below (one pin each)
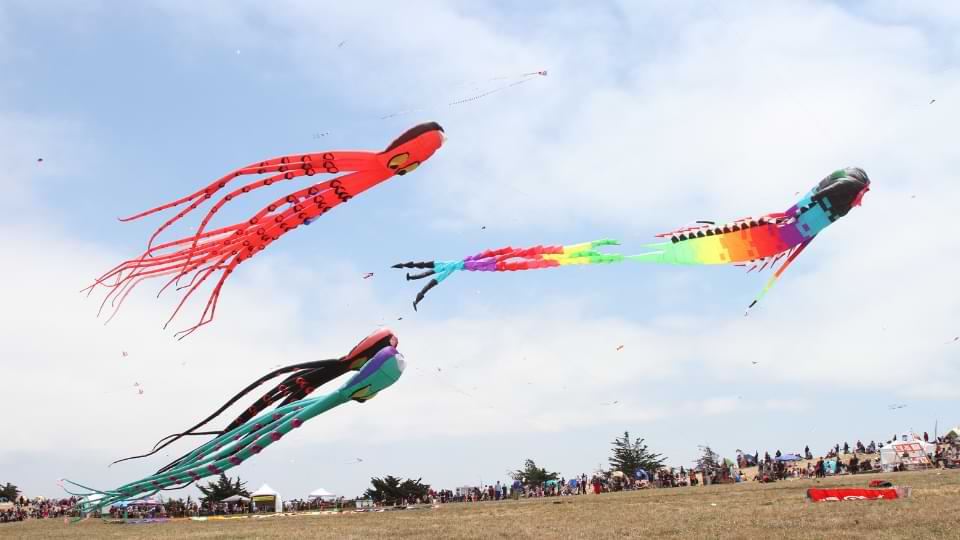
(653, 115)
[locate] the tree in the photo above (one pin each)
(531, 475)
(9, 491)
(632, 456)
(392, 490)
(414, 489)
(223, 488)
(709, 461)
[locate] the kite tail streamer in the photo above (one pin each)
(776, 275)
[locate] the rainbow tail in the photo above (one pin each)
(776, 275)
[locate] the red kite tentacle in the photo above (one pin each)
(344, 161)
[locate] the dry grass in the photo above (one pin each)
(726, 511)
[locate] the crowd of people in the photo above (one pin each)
(21, 509)
(840, 459)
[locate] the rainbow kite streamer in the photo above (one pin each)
(760, 242)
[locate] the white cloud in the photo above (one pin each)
(785, 405)
(717, 406)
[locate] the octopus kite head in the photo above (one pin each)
(379, 373)
(369, 347)
(843, 189)
(415, 146)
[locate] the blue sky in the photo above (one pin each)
(653, 115)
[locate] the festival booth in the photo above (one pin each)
(266, 498)
(138, 510)
(238, 499)
(321, 496)
(92, 499)
(908, 454)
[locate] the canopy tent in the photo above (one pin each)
(91, 499)
(267, 496)
(912, 454)
(236, 498)
(954, 433)
(137, 502)
(321, 493)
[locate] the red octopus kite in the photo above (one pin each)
(195, 258)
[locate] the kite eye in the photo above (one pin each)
(408, 168)
(398, 160)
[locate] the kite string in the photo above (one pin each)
(526, 77)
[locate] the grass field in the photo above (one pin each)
(726, 511)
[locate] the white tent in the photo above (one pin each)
(892, 452)
(267, 495)
(321, 493)
(92, 498)
(236, 498)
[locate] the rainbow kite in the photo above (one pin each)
(759, 242)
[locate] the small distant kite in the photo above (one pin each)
(124, 353)
(759, 243)
(896, 406)
(195, 258)
(932, 101)
(368, 275)
(232, 448)
(620, 347)
(40, 160)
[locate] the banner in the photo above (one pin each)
(911, 453)
(851, 494)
